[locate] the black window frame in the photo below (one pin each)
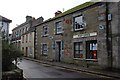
(90, 53)
(45, 31)
(80, 51)
(79, 25)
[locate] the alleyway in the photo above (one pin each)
(37, 70)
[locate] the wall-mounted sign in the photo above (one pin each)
(68, 21)
(109, 17)
(101, 27)
(85, 35)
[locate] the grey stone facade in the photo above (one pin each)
(102, 26)
(67, 38)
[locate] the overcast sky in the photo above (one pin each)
(16, 10)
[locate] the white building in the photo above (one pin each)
(4, 26)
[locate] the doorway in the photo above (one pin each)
(26, 51)
(58, 51)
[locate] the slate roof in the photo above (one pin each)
(5, 19)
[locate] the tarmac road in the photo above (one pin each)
(39, 71)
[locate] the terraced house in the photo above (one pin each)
(23, 36)
(86, 35)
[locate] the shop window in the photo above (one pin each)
(44, 49)
(78, 50)
(58, 27)
(91, 49)
(79, 23)
(45, 30)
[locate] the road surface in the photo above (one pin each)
(33, 69)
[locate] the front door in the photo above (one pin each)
(26, 51)
(58, 50)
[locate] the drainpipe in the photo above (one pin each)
(108, 38)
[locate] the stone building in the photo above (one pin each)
(18, 31)
(86, 35)
(23, 35)
(28, 39)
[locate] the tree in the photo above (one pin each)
(9, 54)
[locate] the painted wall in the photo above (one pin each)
(29, 43)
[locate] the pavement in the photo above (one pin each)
(113, 74)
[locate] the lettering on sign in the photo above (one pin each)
(85, 35)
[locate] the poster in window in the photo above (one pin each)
(91, 47)
(94, 46)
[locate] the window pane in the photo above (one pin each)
(44, 49)
(78, 22)
(45, 30)
(79, 19)
(91, 49)
(59, 27)
(76, 54)
(78, 49)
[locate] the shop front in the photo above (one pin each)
(85, 48)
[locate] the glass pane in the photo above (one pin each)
(79, 19)
(59, 29)
(81, 46)
(78, 22)
(81, 51)
(77, 47)
(77, 54)
(94, 46)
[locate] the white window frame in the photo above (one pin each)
(81, 23)
(58, 27)
(42, 48)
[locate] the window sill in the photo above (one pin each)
(91, 59)
(45, 35)
(85, 59)
(78, 58)
(59, 33)
(78, 29)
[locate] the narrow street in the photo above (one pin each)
(38, 70)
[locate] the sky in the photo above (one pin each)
(17, 10)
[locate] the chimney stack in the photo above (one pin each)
(28, 18)
(57, 13)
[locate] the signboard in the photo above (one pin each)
(85, 35)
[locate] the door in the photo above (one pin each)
(26, 51)
(58, 51)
